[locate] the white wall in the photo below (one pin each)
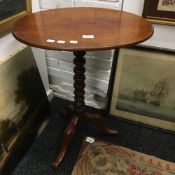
(35, 5)
(39, 55)
(8, 45)
(164, 36)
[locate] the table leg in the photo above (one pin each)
(67, 138)
(78, 109)
(97, 121)
(79, 81)
(79, 104)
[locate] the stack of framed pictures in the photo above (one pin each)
(144, 87)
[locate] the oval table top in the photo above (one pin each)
(82, 29)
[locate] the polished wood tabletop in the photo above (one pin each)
(82, 29)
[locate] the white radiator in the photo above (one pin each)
(98, 63)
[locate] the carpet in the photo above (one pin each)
(97, 157)
(135, 136)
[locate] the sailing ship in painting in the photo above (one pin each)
(152, 103)
(156, 96)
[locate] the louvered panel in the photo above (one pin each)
(52, 62)
(115, 4)
(64, 89)
(96, 63)
(67, 66)
(68, 76)
(51, 4)
(104, 54)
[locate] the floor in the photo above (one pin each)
(141, 138)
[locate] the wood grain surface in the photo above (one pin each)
(110, 28)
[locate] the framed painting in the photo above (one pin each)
(11, 11)
(23, 104)
(160, 11)
(144, 87)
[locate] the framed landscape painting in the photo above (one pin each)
(23, 104)
(11, 11)
(160, 11)
(144, 87)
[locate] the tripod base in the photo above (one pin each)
(88, 118)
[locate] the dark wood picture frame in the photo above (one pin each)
(7, 23)
(156, 12)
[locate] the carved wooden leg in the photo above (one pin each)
(97, 120)
(79, 81)
(78, 107)
(68, 111)
(79, 85)
(67, 138)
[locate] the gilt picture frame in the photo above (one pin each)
(11, 11)
(160, 11)
(144, 86)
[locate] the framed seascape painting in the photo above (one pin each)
(144, 87)
(11, 11)
(160, 11)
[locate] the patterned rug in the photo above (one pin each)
(102, 158)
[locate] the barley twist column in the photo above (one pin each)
(79, 81)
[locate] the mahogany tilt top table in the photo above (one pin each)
(80, 30)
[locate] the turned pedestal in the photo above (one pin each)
(77, 112)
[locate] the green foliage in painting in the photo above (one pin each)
(30, 87)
